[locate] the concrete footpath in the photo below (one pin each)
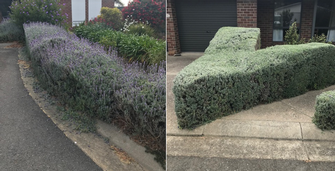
(276, 136)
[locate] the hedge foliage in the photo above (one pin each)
(9, 31)
(86, 78)
(324, 116)
(232, 76)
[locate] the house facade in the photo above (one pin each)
(77, 10)
(191, 24)
(84, 10)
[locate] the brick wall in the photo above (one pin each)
(307, 11)
(108, 3)
(172, 29)
(86, 10)
(67, 9)
(247, 13)
(265, 20)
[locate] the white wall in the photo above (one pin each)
(94, 7)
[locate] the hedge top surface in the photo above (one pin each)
(234, 39)
(233, 50)
(327, 96)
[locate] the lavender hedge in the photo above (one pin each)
(101, 84)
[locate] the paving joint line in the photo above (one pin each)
(242, 137)
(226, 136)
(302, 135)
(250, 158)
(296, 109)
(305, 149)
(303, 143)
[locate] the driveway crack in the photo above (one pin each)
(303, 142)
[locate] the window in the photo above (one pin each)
(325, 19)
(286, 12)
(94, 7)
(78, 11)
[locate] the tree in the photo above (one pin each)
(147, 11)
(287, 16)
(292, 36)
(111, 15)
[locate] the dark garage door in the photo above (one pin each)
(199, 20)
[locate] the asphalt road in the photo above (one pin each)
(29, 140)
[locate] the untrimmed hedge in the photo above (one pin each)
(88, 79)
(324, 116)
(232, 75)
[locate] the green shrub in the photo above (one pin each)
(26, 11)
(324, 116)
(9, 31)
(292, 36)
(319, 38)
(157, 52)
(140, 29)
(144, 49)
(231, 76)
(113, 16)
(90, 30)
(110, 38)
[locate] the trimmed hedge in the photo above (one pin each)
(86, 78)
(324, 116)
(231, 76)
